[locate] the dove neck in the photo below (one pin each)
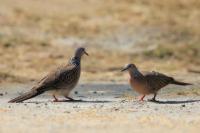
(76, 61)
(135, 72)
(78, 54)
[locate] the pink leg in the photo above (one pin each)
(142, 98)
(71, 99)
(55, 99)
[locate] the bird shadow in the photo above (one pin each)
(73, 101)
(174, 102)
(84, 101)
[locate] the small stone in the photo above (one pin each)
(183, 105)
(116, 109)
(66, 112)
(123, 101)
(76, 92)
(1, 94)
(156, 109)
(94, 92)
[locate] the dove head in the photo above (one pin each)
(80, 52)
(129, 67)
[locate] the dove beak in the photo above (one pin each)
(86, 53)
(124, 69)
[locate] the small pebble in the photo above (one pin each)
(183, 105)
(66, 112)
(76, 92)
(123, 101)
(74, 106)
(116, 109)
(1, 94)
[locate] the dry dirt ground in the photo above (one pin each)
(104, 107)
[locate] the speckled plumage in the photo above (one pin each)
(61, 81)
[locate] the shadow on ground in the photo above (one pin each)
(175, 102)
(74, 101)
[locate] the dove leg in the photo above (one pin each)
(71, 99)
(55, 99)
(154, 98)
(142, 98)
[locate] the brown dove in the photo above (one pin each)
(149, 83)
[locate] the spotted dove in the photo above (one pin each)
(149, 83)
(61, 81)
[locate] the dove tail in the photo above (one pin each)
(180, 83)
(26, 96)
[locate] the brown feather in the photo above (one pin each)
(157, 80)
(65, 77)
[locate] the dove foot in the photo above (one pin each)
(152, 100)
(69, 98)
(142, 98)
(56, 99)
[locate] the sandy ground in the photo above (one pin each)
(105, 107)
(37, 36)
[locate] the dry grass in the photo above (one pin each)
(153, 34)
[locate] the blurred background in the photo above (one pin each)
(37, 36)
